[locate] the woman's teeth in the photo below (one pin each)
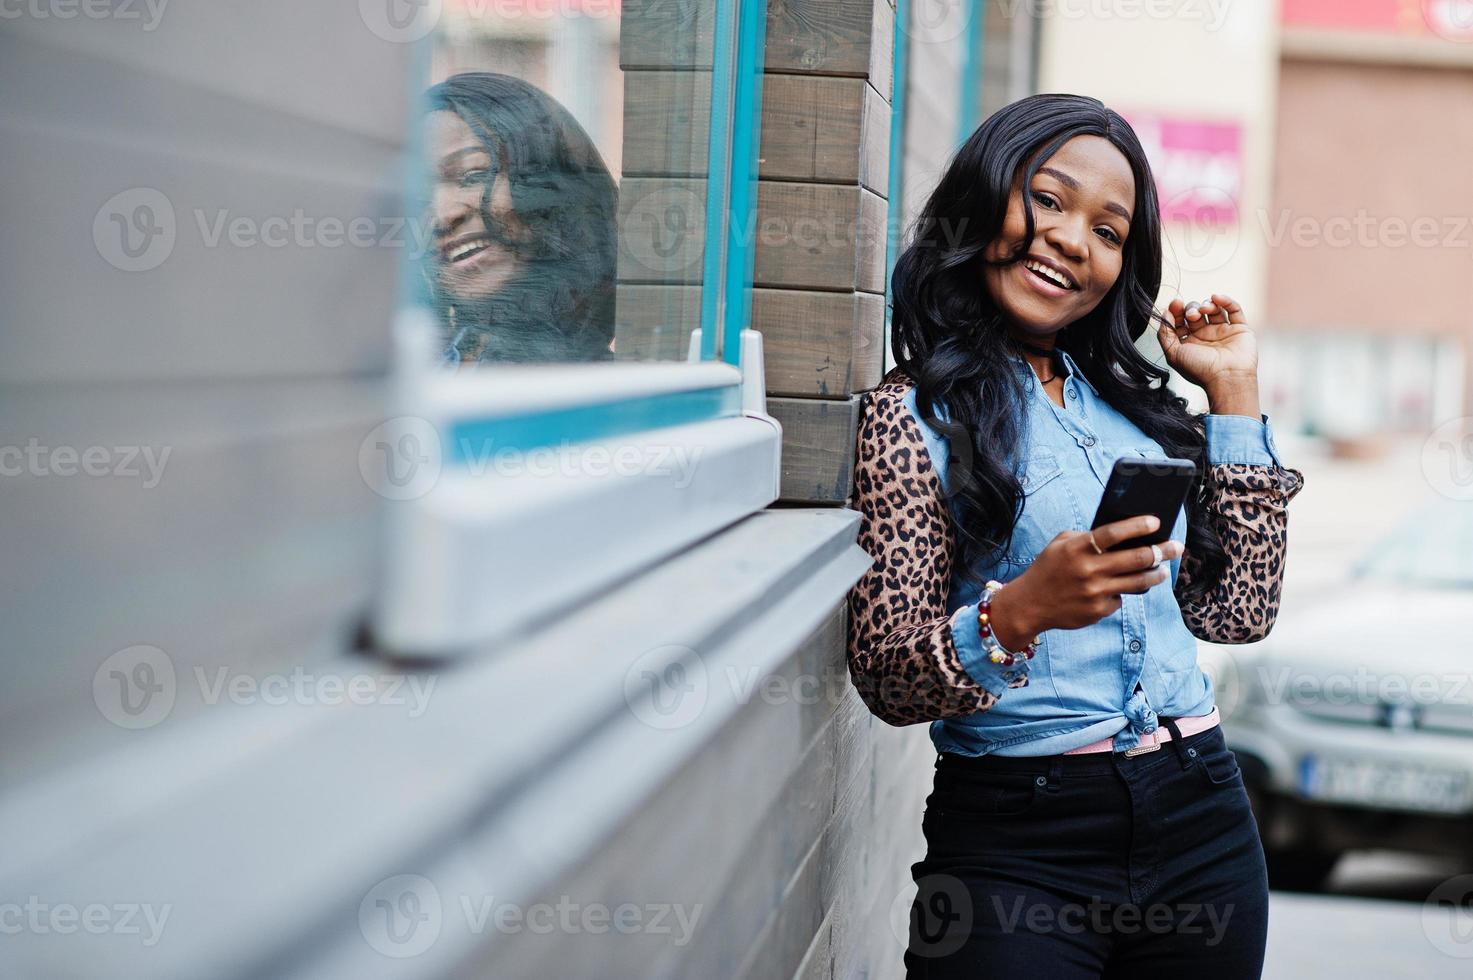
(466, 249)
(1038, 268)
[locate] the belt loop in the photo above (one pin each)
(1176, 740)
(1055, 773)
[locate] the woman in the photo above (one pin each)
(524, 223)
(1087, 817)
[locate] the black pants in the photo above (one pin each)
(1090, 866)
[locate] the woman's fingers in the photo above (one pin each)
(1134, 559)
(1138, 583)
(1123, 530)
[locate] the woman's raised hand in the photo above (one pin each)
(1069, 585)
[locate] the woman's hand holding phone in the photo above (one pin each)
(1069, 585)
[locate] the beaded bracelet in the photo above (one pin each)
(996, 652)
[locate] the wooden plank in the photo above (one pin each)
(824, 345)
(654, 322)
(667, 117)
(814, 128)
(818, 448)
(816, 344)
(832, 37)
(662, 229)
(814, 236)
(819, 236)
(874, 156)
(817, 37)
(666, 33)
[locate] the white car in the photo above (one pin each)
(1353, 720)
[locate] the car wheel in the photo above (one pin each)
(1299, 871)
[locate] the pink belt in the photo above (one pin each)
(1151, 741)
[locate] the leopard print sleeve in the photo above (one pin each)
(903, 657)
(1249, 508)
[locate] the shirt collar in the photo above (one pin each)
(1070, 368)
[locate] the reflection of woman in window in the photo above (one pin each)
(524, 223)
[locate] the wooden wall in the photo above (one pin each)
(820, 229)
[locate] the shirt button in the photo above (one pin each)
(1070, 392)
(1089, 440)
(1135, 646)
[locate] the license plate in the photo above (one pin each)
(1379, 784)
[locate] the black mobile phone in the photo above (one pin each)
(1145, 486)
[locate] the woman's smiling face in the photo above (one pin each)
(473, 261)
(1083, 199)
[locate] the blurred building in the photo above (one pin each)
(1311, 164)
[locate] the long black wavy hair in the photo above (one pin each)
(561, 305)
(950, 339)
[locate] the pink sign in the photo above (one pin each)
(1448, 19)
(1198, 166)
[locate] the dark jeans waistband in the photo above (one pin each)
(1084, 764)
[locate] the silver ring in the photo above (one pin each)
(1156, 553)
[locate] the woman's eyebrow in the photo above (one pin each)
(1073, 185)
(454, 157)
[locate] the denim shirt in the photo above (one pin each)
(1113, 677)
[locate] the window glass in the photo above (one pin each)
(565, 147)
